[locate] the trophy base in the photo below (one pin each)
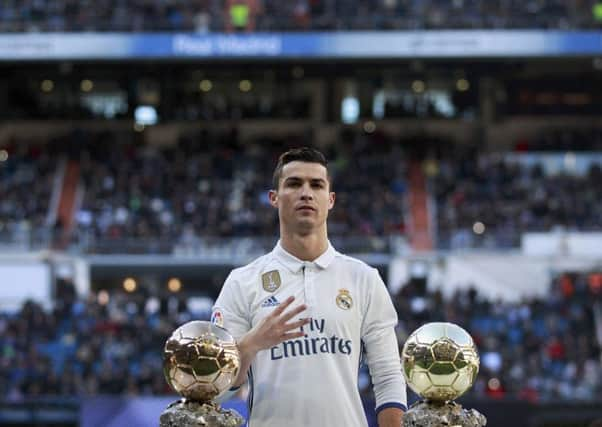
(186, 413)
(434, 414)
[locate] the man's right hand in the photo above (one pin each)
(269, 332)
(275, 328)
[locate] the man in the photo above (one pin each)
(302, 362)
(241, 15)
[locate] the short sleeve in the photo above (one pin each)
(231, 309)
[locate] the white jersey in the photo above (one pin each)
(312, 380)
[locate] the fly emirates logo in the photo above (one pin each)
(314, 342)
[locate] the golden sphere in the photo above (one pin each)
(200, 361)
(440, 361)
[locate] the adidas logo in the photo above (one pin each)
(270, 302)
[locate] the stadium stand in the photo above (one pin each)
(509, 199)
(123, 200)
(27, 175)
(212, 186)
(540, 350)
(467, 167)
(300, 15)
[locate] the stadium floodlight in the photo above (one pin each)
(146, 115)
(350, 110)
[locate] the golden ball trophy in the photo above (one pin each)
(200, 362)
(440, 363)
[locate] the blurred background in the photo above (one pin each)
(137, 140)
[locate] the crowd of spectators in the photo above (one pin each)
(298, 15)
(87, 346)
(490, 200)
(536, 350)
(26, 181)
(210, 186)
(542, 349)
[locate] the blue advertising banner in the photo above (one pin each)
(333, 45)
(112, 411)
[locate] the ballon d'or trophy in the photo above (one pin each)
(200, 362)
(440, 363)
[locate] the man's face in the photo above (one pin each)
(303, 197)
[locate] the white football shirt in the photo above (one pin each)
(312, 381)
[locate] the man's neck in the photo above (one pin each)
(305, 247)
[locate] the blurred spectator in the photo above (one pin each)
(241, 15)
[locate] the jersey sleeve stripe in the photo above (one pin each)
(391, 405)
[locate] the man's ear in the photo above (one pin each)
(331, 199)
(273, 196)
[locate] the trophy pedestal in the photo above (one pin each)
(186, 413)
(435, 414)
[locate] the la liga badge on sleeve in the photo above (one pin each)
(217, 318)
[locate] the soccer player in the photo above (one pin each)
(304, 315)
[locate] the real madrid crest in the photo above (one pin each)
(271, 280)
(344, 300)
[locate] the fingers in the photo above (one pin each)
(283, 306)
(288, 316)
(280, 309)
(279, 319)
(295, 325)
(291, 335)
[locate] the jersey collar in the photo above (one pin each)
(294, 264)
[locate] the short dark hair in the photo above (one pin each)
(301, 154)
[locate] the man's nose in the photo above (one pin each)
(306, 192)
